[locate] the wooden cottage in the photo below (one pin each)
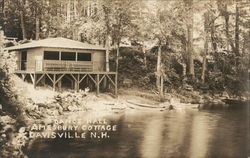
(55, 59)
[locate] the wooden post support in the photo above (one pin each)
(75, 82)
(75, 85)
(60, 85)
(87, 82)
(105, 83)
(54, 82)
(162, 87)
(23, 76)
(97, 84)
(43, 80)
(34, 83)
(32, 78)
(78, 83)
(116, 80)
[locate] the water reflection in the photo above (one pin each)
(191, 134)
(200, 136)
(152, 142)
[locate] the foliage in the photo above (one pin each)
(148, 23)
(11, 117)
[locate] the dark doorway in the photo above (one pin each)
(23, 60)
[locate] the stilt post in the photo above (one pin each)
(116, 80)
(60, 85)
(43, 80)
(34, 83)
(54, 82)
(105, 82)
(97, 84)
(78, 83)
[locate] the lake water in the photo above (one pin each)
(170, 134)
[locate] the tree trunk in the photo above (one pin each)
(117, 57)
(228, 40)
(162, 86)
(107, 52)
(213, 38)
(237, 32)
(144, 57)
(4, 16)
(184, 67)
(68, 11)
(190, 39)
(227, 31)
(37, 28)
(158, 69)
(204, 63)
(75, 10)
(88, 8)
(23, 25)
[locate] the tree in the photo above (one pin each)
(21, 12)
(122, 17)
(206, 28)
(165, 27)
(190, 49)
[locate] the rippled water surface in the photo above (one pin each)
(176, 134)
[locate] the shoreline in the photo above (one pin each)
(43, 106)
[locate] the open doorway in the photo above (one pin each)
(23, 60)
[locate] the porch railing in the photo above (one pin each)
(55, 65)
(76, 66)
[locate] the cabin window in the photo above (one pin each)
(68, 56)
(51, 55)
(84, 56)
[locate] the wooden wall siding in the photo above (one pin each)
(97, 56)
(99, 61)
(18, 61)
(35, 58)
(33, 55)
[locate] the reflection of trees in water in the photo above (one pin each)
(152, 142)
(176, 139)
(200, 135)
(230, 136)
(168, 134)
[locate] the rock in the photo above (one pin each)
(174, 100)
(72, 108)
(58, 97)
(60, 110)
(225, 95)
(171, 107)
(55, 112)
(188, 87)
(41, 105)
(7, 119)
(127, 82)
(198, 100)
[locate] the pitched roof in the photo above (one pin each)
(57, 43)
